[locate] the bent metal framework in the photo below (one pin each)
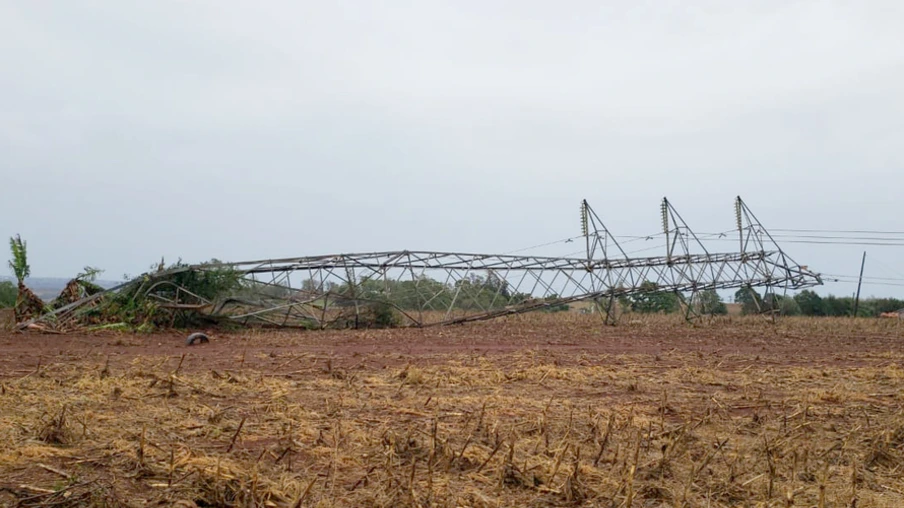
(425, 288)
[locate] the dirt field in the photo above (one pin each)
(7, 319)
(531, 411)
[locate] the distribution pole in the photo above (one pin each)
(859, 283)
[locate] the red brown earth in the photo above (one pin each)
(792, 342)
(533, 410)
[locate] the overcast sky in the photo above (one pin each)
(242, 130)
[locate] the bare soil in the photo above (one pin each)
(791, 342)
(532, 410)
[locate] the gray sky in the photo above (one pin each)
(242, 130)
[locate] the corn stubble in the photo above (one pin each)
(536, 426)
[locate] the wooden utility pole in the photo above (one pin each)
(859, 283)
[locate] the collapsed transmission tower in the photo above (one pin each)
(424, 288)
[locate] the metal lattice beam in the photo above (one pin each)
(430, 288)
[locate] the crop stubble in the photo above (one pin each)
(534, 410)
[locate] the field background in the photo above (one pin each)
(532, 410)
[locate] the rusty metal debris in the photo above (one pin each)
(426, 288)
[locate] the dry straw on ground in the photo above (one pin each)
(561, 424)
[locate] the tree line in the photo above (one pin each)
(808, 303)
(474, 293)
(650, 300)
(805, 303)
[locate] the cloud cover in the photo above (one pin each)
(131, 130)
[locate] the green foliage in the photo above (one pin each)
(751, 301)
(260, 289)
(709, 302)
(562, 307)
(8, 294)
(128, 307)
(810, 303)
(89, 274)
(876, 306)
(381, 315)
(473, 293)
(651, 300)
(838, 306)
(85, 281)
(19, 263)
(786, 306)
(209, 283)
(174, 283)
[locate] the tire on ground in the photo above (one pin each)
(199, 337)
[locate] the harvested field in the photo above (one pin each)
(7, 319)
(534, 410)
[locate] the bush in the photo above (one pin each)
(785, 306)
(838, 306)
(562, 307)
(175, 283)
(209, 283)
(710, 303)
(810, 303)
(652, 300)
(750, 300)
(8, 294)
(376, 315)
(384, 315)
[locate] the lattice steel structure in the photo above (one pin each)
(425, 288)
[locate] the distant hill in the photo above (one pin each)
(48, 288)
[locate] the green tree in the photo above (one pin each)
(214, 281)
(498, 286)
(652, 300)
(835, 306)
(19, 263)
(810, 303)
(786, 306)
(28, 305)
(709, 302)
(750, 300)
(880, 305)
(81, 286)
(8, 294)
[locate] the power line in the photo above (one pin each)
(867, 283)
(786, 238)
(828, 242)
(864, 278)
(840, 231)
(655, 247)
(653, 236)
(831, 237)
(722, 236)
(547, 244)
(634, 238)
(896, 272)
(799, 239)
